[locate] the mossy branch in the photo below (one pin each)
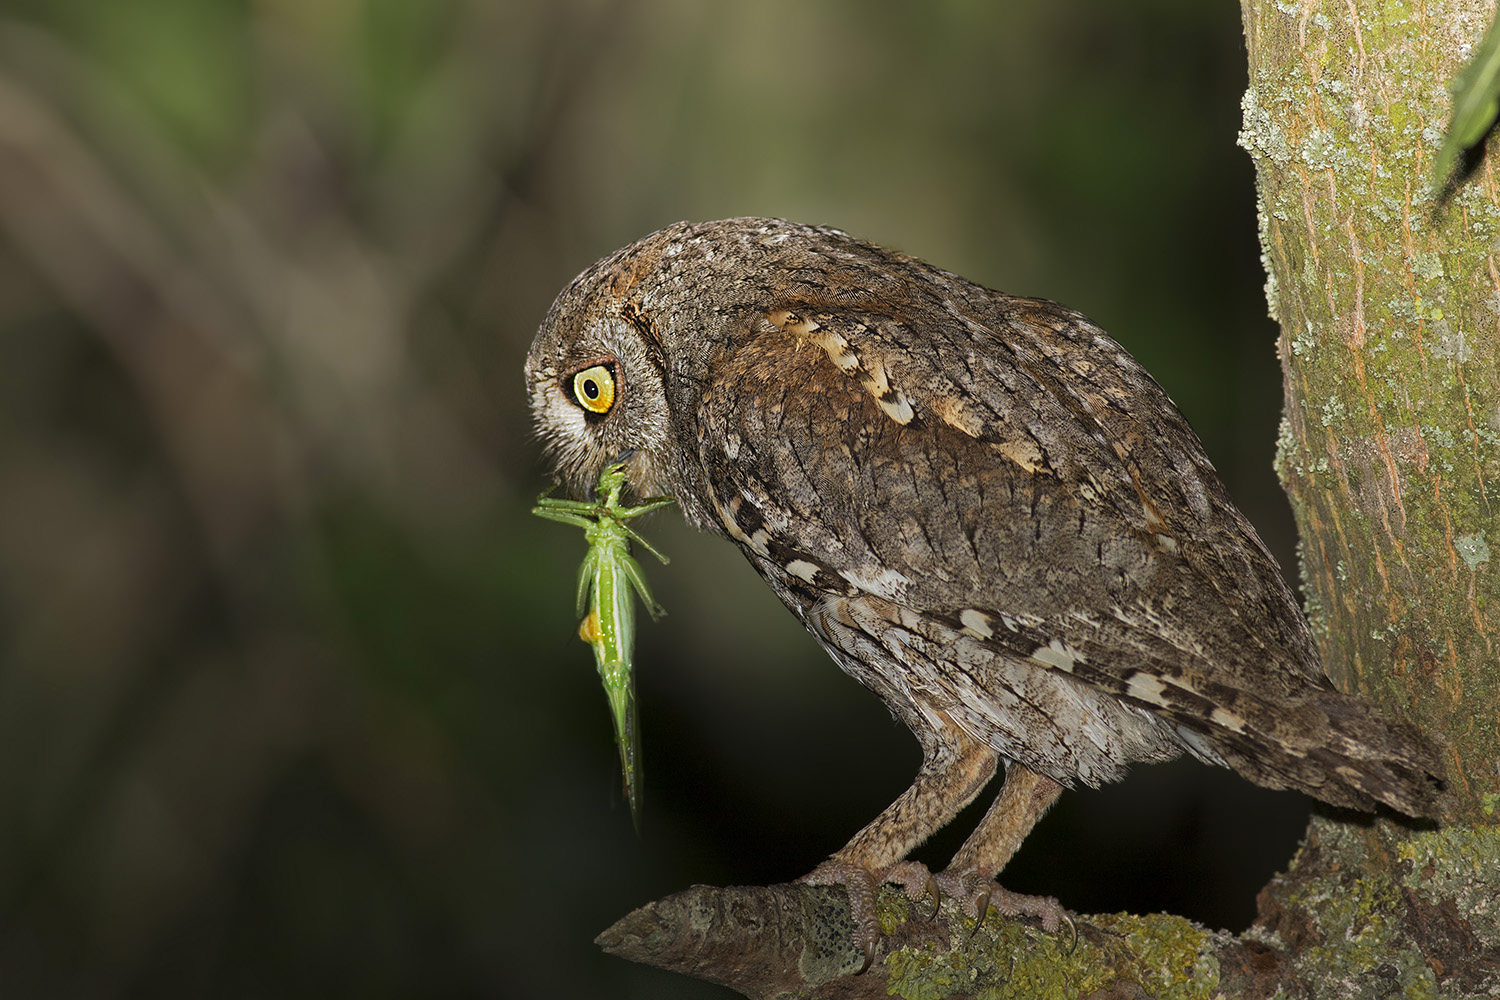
(1367, 909)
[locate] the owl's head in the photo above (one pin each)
(595, 379)
(622, 360)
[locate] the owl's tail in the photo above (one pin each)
(1334, 747)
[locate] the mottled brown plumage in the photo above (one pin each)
(983, 508)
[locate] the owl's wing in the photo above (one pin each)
(999, 471)
(1012, 458)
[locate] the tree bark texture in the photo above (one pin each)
(1389, 304)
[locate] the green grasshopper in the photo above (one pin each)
(605, 581)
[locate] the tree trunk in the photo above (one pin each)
(1389, 304)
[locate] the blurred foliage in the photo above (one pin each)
(291, 702)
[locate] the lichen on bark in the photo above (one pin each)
(1374, 911)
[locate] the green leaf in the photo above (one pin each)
(1476, 102)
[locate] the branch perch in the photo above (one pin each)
(1366, 909)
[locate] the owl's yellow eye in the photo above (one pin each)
(594, 389)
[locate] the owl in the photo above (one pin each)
(981, 506)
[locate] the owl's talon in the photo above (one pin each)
(862, 885)
(1073, 931)
(915, 880)
(981, 910)
(976, 894)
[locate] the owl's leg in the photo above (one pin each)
(954, 770)
(1022, 802)
(969, 878)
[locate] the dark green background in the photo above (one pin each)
(290, 699)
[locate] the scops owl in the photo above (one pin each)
(981, 506)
